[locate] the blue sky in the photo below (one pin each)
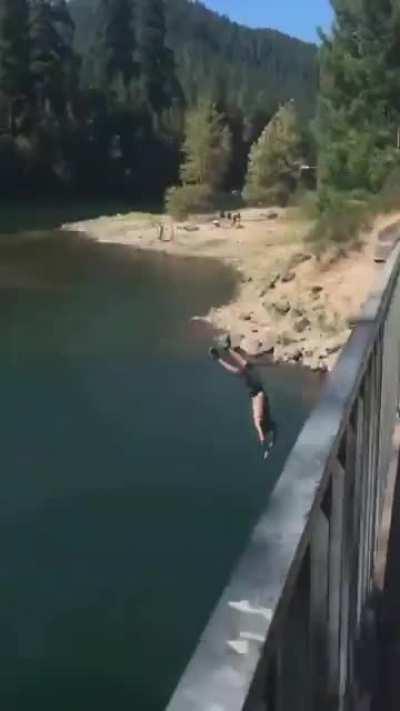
(298, 18)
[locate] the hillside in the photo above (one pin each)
(251, 69)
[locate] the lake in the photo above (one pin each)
(131, 476)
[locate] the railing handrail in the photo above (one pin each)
(220, 674)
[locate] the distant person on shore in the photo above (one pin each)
(263, 424)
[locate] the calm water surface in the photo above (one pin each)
(130, 472)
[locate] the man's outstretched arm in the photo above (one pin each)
(214, 354)
(228, 366)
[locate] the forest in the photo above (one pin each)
(95, 94)
(146, 98)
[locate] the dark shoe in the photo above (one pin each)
(213, 353)
(226, 342)
(269, 443)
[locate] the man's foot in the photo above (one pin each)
(226, 342)
(268, 444)
(213, 353)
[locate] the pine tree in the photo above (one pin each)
(115, 48)
(159, 83)
(15, 77)
(359, 111)
(275, 158)
(207, 147)
(53, 61)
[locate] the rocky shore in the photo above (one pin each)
(288, 303)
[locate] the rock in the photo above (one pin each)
(256, 345)
(301, 325)
(289, 276)
(316, 289)
(189, 228)
(334, 347)
(286, 338)
(250, 345)
(298, 311)
(272, 216)
(267, 342)
(216, 223)
(299, 258)
(297, 355)
(273, 280)
(236, 339)
(282, 307)
(246, 316)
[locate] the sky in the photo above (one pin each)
(298, 18)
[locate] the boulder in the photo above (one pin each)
(334, 347)
(251, 345)
(267, 342)
(298, 311)
(258, 345)
(272, 216)
(273, 280)
(299, 258)
(246, 316)
(301, 325)
(286, 338)
(189, 228)
(316, 289)
(297, 355)
(282, 307)
(289, 276)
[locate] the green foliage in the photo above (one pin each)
(359, 111)
(253, 70)
(341, 219)
(207, 147)
(275, 159)
(184, 200)
(15, 76)
(53, 62)
(115, 43)
(15, 48)
(93, 94)
(158, 80)
(388, 198)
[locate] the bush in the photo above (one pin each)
(183, 200)
(340, 221)
(277, 196)
(389, 197)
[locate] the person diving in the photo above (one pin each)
(234, 362)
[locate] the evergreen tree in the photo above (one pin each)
(359, 111)
(53, 63)
(275, 158)
(207, 147)
(116, 44)
(15, 77)
(159, 84)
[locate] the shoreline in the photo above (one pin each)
(288, 304)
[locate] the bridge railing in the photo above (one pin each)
(287, 632)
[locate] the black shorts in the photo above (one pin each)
(255, 390)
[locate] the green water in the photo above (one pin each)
(130, 472)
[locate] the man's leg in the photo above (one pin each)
(258, 405)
